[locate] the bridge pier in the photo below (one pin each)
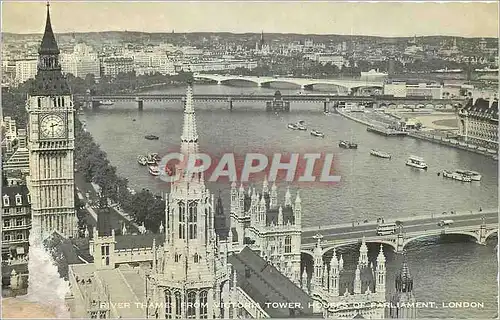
(325, 104)
(230, 103)
(482, 235)
(140, 104)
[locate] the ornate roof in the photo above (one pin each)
(49, 80)
(482, 108)
(404, 280)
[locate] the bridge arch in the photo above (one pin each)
(490, 233)
(307, 252)
(471, 234)
(268, 82)
(239, 79)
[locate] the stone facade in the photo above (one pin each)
(478, 122)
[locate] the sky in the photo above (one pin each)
(389, 19)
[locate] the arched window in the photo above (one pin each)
(178, 305)
(288, 244)
(177, 257)
(193, 212)
(203, 305)
(182, 220)
(196, 258)
(191, 305)
(168, 304)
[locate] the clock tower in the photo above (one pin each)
(51, 141)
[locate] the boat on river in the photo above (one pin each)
(142, 160)
(292, 126)
(347, 144)
(317, 133)
(416, 162)
(456, 176)
(151, 137)
(153, 170)
(380, 154)
(473, 175)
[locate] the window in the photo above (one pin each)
(182, 220)
(19, 236)
(6, 237)
(203, 305)
(192, 219)
(6, 211)
(105, 255)
(93, 315)
(178, 305)
(19, 210)
(6, 200)
(191, 303)
(19, 200)
(196, 258)
(168, 304)
(102, 314)
(6, 223)
(29, 198)
(19, 222)
(288, 244)
(177, 257)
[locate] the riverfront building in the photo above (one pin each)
(478, 122)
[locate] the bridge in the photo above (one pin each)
(94, 101)
(304, 83)
(477, 225)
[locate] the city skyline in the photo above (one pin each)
(254, 17)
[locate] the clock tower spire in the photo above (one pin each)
(51, 143)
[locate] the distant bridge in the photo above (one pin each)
(477, 225)
(304, 83)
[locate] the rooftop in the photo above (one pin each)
(264, 283)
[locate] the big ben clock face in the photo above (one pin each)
(52, 126)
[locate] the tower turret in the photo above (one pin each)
(273, 197)
(280, 216)
(318, 264)
(288, 197)
(234, 198)
(334, 274)
(265, 186)
(381, 272)
(363, 254)
(403, 295)
(297, 210)
(357, 281)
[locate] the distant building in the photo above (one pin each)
(16, 222)
(424, 90)
(112, 66)
(373, 75)
(215, 65)
(81, 62)
(25, 69)
(478, 122)
(9, 134)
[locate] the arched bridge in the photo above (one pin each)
(302, 82)
(477, 225)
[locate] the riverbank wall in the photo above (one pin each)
(433, 138)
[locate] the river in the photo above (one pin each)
(444, 270)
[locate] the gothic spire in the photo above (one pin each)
(404, 280)
(189, 137)
(49, 44)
